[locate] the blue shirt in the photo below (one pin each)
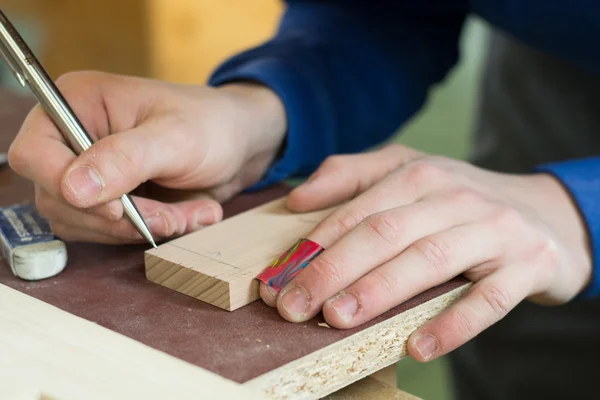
(350, 73)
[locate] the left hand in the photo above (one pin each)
(416, 221)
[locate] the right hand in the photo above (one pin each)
(215, 141)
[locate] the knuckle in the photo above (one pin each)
(327, 271)
(18, 158)
(546, 253)
(385, 226)
(506, 217)
(435, 253)
(464, 196)
(464, 323)
(423, 172)
(496, 299)
(386, 286)
(345, 220)
(128, 156)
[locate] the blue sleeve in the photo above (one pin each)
(349, 73)
(582, 179)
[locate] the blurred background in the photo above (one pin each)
(183, 40)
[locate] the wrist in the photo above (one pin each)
(263, 119)
(559, 210)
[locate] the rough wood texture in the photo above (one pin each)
(335, 366)
(49, 353)
(218, 264)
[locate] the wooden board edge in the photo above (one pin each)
(337, 365)
(247, 285)
(184, 283)
(50, 352)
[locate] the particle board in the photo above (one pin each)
(218, 264)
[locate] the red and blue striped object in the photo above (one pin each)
(290, 263)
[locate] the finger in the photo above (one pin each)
(75, 234)
(164, 220)
(488, 301)
(40, 136)
(36, 138)
(407, 185)
(116, 165)
(426, 263)
(111, 211)
(373, 242)
(340, 178)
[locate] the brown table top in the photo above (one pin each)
(107, 285)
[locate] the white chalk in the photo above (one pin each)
(28, 245)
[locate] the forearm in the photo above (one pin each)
(349, 74)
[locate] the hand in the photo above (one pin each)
(417, 221)
(188, 138)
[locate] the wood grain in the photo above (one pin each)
(49, 353)
(218, 264)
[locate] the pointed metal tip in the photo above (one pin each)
(153, 243)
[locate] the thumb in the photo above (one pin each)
(119, 163)
(340, 178)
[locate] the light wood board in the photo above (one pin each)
(218, 264)
(49, 353)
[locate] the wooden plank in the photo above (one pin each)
(49, 353)
(218, 264)
(353, 358)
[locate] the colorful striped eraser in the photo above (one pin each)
(289, 264)
(28, 245)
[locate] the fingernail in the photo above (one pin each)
(295, 301)
(205, 216)
(86, 184)
(345, 305)
(158, 225)
(426, 345)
